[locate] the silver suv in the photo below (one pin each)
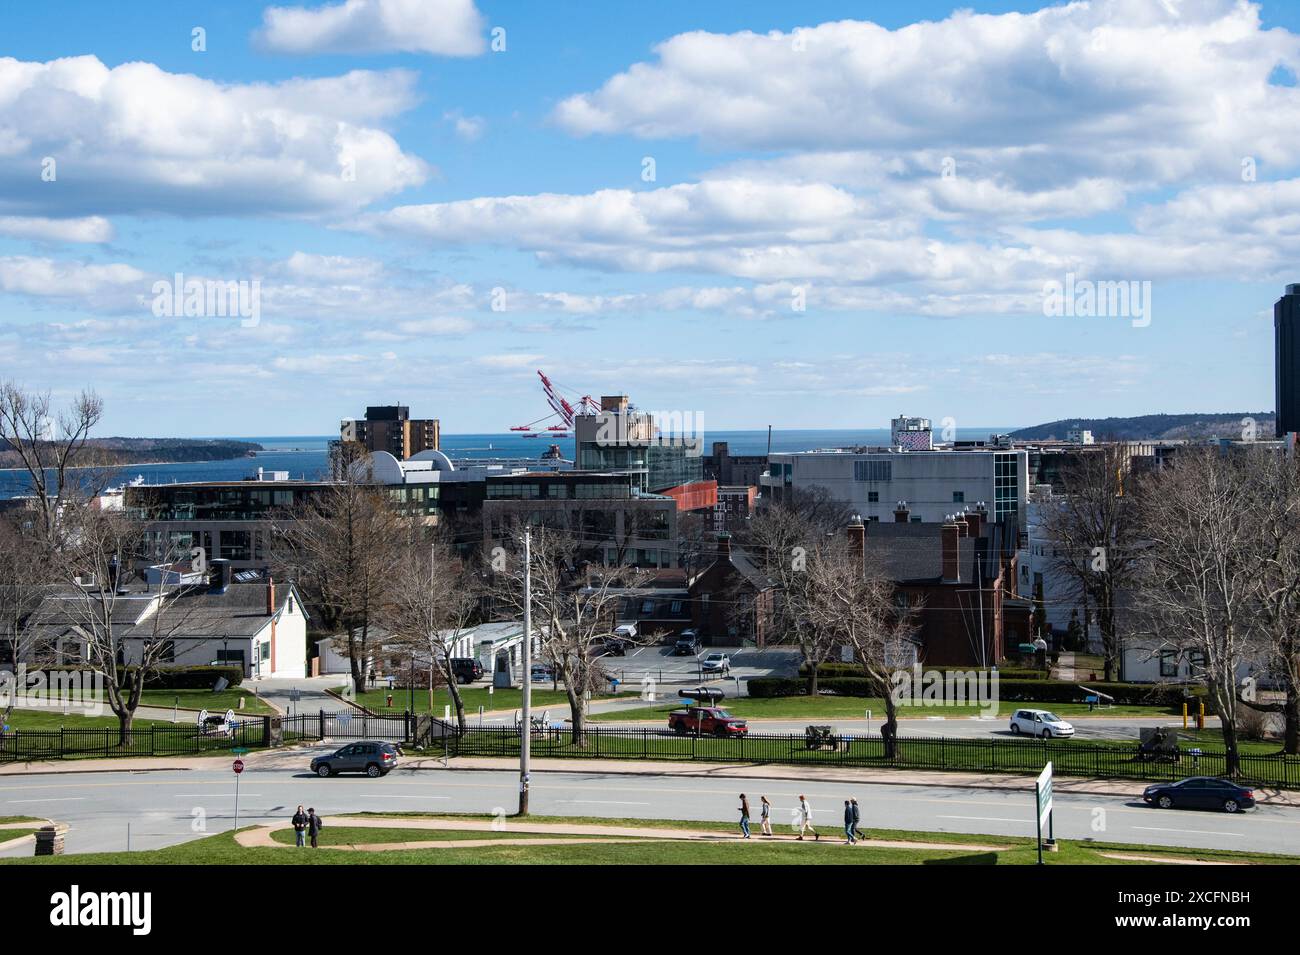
(371, 757)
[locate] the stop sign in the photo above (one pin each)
(239, 766)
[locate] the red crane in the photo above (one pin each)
(560, 408)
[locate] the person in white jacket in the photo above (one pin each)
(805, 819)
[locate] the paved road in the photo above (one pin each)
(166, 808)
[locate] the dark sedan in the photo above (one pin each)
(1200, 792)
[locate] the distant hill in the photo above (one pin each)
(1155, 427)
(109, 452)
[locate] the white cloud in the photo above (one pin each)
(137, 139)
(509, 360)
(1185, 85)
(439, 27)
(86, 229)
(51, 278)
(468, 128)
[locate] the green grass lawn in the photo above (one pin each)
(227, 699)
(7, 819)
(958, 849)
(54, 719)
(359, 835)
(473, 697)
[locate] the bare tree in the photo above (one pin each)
(92, 569)
(1274, 523)
(24, 579)
(574, 604)
(850, 604)
(1093, 525)
(49, 443)
(433, 602)
(1195, 581)
(781, 539)
(342, 548)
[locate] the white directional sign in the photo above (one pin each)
(1044, 788)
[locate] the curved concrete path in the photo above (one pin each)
(565, 833)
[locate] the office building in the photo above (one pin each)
(925, 486)
(391, 428)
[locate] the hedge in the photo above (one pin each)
(1016, 691)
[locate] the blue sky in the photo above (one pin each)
(430, 219)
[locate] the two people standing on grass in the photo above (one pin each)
(306, 824)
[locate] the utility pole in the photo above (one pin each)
(526, 714)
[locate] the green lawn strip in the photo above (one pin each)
(473, 697)
(334, 835)
(223, 850)
(216, 703)
(7, 819)
(43, 719)
(8, 834)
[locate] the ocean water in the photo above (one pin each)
(305, 457)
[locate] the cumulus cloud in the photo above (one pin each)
(1081, 76)
(137, 139)
(438, 27)
(92, 229)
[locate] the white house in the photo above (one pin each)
(255, 623)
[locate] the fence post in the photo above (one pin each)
(60, 742)
(321, 733)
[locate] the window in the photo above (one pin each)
(266, 651)
(873, 470)
(873, 497)
(1168, 663)
(647, 607)
(959, 497)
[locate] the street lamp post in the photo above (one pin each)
(526, 714)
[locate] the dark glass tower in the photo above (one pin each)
(1286, 355)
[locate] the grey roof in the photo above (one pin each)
(191, 612)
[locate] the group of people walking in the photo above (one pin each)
(802, 821)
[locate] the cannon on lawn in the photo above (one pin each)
(820, 737)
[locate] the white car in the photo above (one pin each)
(1040, 723)
(716, 663)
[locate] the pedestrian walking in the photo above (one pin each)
(765, 812)
(857, 818)
(848, 824)
(744, 816)
(314, 826)
(300, 827)
(805, 820)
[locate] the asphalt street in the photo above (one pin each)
(164, 808)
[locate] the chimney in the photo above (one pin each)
(220, 576)
(857, 532)
(901, 513)
(950, 543)
(270, 596)
(724, 546)
(963, 529)
(975, 520)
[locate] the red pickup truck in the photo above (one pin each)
(702, 720)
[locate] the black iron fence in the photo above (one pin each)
(1068, 757)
